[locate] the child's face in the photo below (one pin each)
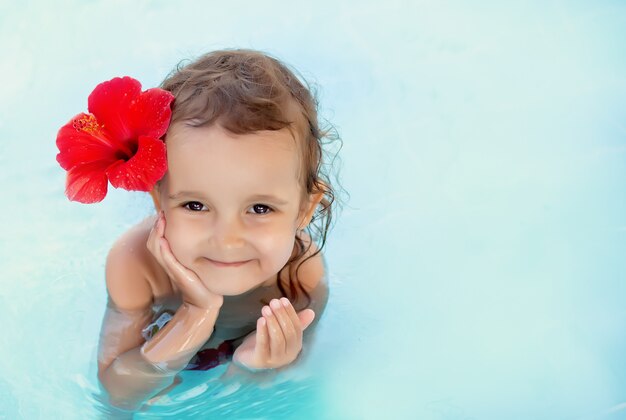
(213, 211)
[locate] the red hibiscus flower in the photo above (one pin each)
(117, 142)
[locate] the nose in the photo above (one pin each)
(228, 233)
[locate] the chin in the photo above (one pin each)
(225, 290)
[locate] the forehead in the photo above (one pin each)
(215, 159)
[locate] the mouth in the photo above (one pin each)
(227, 264)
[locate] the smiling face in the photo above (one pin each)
(232, 198)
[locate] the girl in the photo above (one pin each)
(225, 270)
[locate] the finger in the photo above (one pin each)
(152, 242)
(180, 273)
(295, 320)
(292, 345)
(161, 224)
(156, 233)
(165, 257)
(306, 317)
(277, 340)
(291, 311)
(262, 347)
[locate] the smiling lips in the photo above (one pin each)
(223, 264)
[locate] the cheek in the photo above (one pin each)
(181, 241)
(277, 248)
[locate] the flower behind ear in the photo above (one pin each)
(117, 142)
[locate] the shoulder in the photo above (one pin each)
(311, 267)
(129, 269)
(312, 274)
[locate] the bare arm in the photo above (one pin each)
(129, 370)
(143, 371)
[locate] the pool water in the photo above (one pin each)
(477, 268)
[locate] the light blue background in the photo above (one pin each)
(477, 270)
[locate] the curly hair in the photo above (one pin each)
(245, 91)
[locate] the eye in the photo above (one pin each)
(262, 208)
(193, 206)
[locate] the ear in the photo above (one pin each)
(309, 209)
(156, 198)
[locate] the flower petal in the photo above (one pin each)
(150, 115)
(83, 140)
(87, 183)
(110, 102)
(143, 170)
(129, 113)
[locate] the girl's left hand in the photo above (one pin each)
(277, 340)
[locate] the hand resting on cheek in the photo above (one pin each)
(194, 292)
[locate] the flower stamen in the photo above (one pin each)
(87, 123)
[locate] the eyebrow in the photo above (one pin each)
(268, 197)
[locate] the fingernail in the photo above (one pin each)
(285, 302)
(275, 304)
(266, 311)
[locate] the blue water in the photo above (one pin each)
(477, 270)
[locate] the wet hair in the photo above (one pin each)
(245, 91)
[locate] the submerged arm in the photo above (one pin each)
(142, 371)
(129, 370)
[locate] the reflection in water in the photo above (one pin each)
(225, 391)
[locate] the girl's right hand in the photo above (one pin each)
(194, 293)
